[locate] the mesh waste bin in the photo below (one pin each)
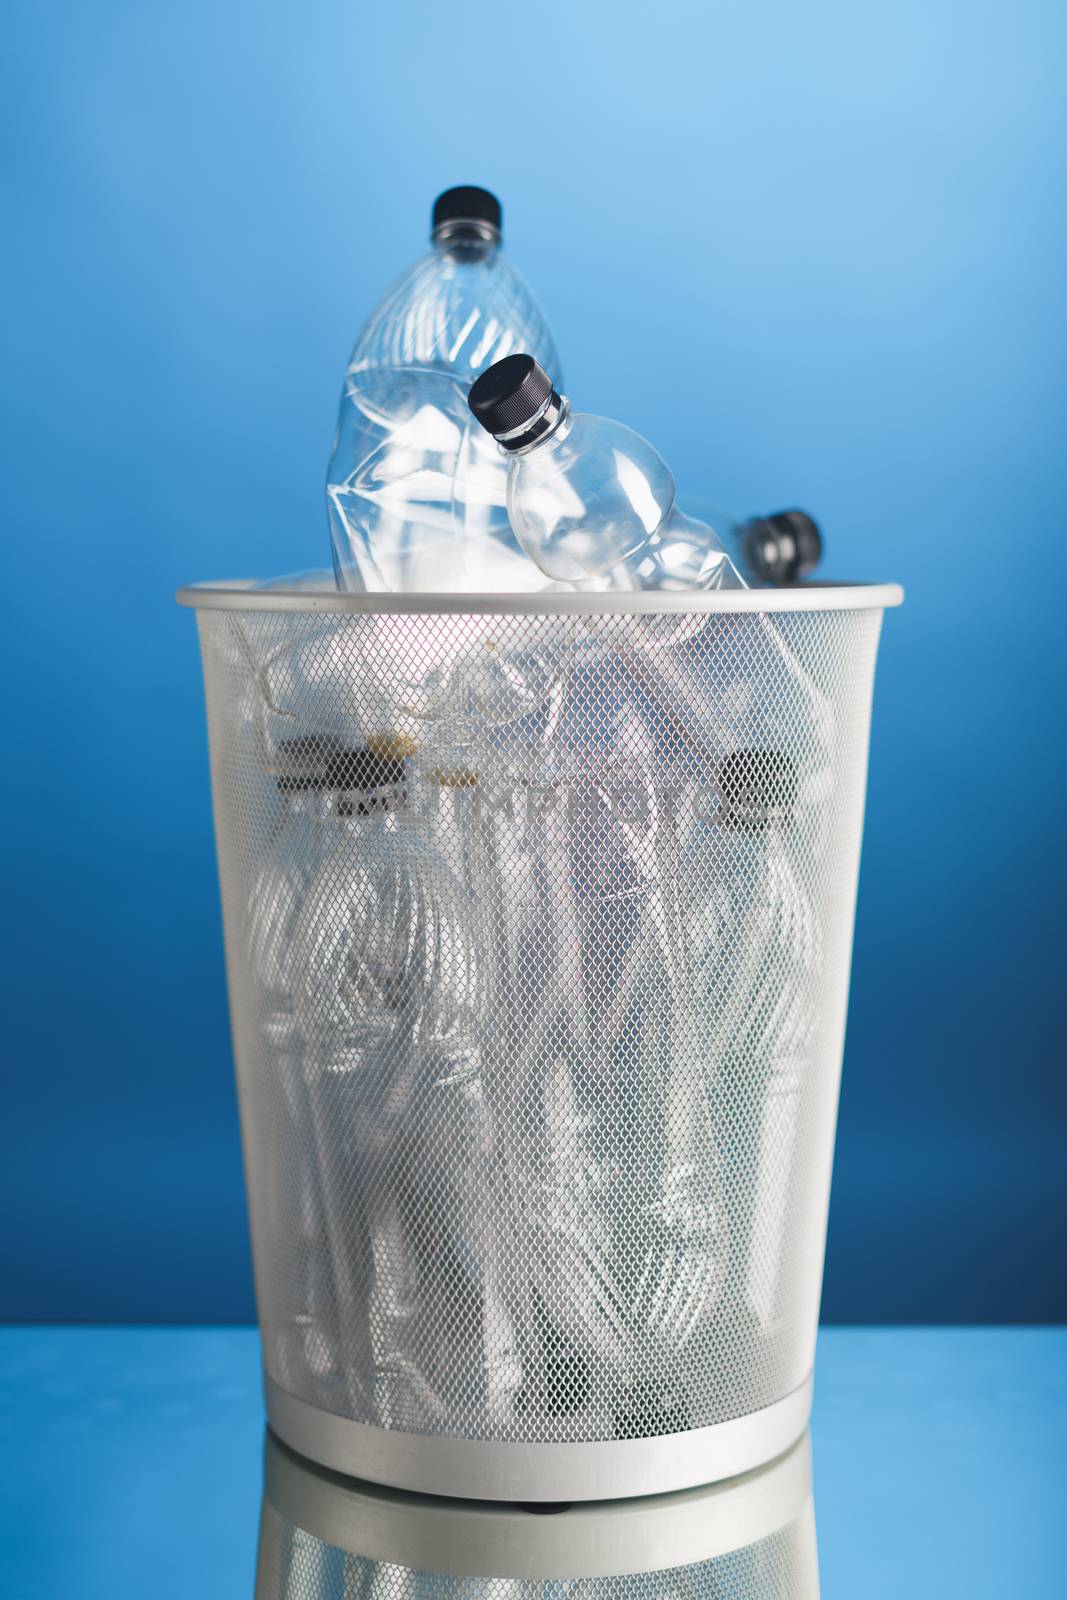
(751, 1538)
(538, 917)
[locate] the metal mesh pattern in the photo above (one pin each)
(538, 931)
(295, 1565)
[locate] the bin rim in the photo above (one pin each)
(240, 595)
(489, 1539)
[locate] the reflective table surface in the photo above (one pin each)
(132, 1463)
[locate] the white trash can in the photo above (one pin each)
(538, 920)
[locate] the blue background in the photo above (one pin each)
(815, 253)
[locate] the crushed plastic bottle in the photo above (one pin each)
(561, 1342)
(614, 1188)
(589, 500)
(416, 495)
(756, 942)
(443, 685)
(298, 1333)
(670, 1239)
(390, 992)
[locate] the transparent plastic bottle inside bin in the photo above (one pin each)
(670, 1241)
(299, 1328)
(601, 1280)
(441, 685)
(502, 835)
(416, 495)
(756, 940)
(593, 504)
(392, 997)
(619, 1204)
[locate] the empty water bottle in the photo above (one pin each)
(757, 948)
(298, 1330)
(416, 495)
(391, 995)
(610, 1155)
(593, 504)
(443, 686)
(504, 835)
(759, 755)
(705, 701)
(670, 1240)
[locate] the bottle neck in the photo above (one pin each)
(550, 422)
(466, 240)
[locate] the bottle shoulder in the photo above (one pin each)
(454, 316)
(599, 450)
(588, 500)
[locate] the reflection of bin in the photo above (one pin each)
(538, 916)
(322, 1536)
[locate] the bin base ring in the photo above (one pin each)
(493, 1469)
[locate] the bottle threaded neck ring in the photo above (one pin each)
(516, 401)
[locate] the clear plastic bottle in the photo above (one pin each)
(445, 686)
(416, 495)
(756, 943)
(566, 1339)
(299, 1332)
(593, 504)
(662, 1200)
(391, 995)
(614, 1179)
(757, 745)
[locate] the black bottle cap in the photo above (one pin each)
(322, 762)
(467, 203)
(303, 763)
(806, 538)
(782, 547)
(510, 394)
(363, 770)
(757, 786)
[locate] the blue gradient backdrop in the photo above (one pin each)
(815, 252)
